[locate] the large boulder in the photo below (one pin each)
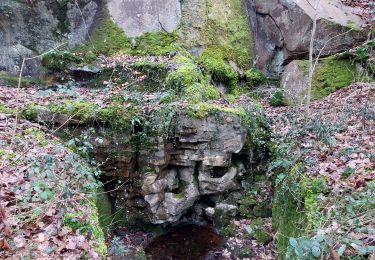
(28, 28)
(282, 30)
(139, 17)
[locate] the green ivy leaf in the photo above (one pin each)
(315, 251)
(293, 242)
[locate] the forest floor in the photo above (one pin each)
(335, 141)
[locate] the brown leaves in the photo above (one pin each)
(348, 161)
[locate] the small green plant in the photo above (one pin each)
(277, 99)
(73, 221)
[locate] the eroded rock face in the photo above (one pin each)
(283, 30)
(169, 176)
(137, 17)
(199, 163)
(28, 29)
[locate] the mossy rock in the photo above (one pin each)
(213, 61)
(108, 38)
(60, 60)
(262, 236)
(330, 75)
(222, 25)
(104, 206)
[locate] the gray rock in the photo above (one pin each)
(139, 17)
(283, 30)
(228, 209)
(211, 185)
(210, 212)
(30, 29)
(294, 83)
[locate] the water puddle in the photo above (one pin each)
(190, 242)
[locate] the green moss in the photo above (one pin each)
(331, 75)
(184, 76)
(225, 26)
(203, 110)
(156, 74)
(198, 92)
(154, 43)
(60, 60)
(37, 135)
(4, 109)
(288, 216)
(73, 221)
(228, 230)
(254, 77)
(182, 190)
(234, 95)
(30, 113)
(114, 115)
(97, 231)
(262, 236)
(214, 63)
(108, 39)
(81, 110)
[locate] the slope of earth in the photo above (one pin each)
(47, 207)
(324, 170)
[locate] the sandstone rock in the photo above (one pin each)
(139, 17)
(283, 30)
(204, 149)
(169, 177)
(294, 83)
(228, 209)
(29, 29)
(169, 206)
(210, 185)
